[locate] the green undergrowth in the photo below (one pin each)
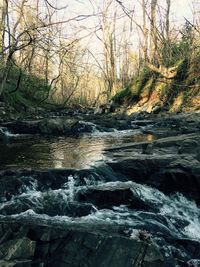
(132, 93)
(123, 95)
(21, 90)
(186, 83)
(183, 55)
(187, 80)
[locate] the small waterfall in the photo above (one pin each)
(71, 187)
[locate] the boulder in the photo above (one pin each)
(17, 249)
(140, 167)
(56, 126)
(189, 146)
(46, 246)
(167, 172)
(49, 126)
(22, 127)
(110, 195)
(62, 126)
(105, 108)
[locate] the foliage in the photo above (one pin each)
(132, 92)
(171, 51)
(122, 96)
(145, 75)
(184, 56)
(23, 90)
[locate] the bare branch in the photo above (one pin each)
(54, 7)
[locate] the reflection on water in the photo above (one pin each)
(63, 152)
(76, 153)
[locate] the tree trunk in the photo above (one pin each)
(167, 20)
(153, 34)
(145, 31)
(168, 73)
(3, 13)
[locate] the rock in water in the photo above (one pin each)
(56, 126)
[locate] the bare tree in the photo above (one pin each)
(153, 32)
(168, 2)
(145, 30)
(153, 61)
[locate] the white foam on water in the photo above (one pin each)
(71, 184)
(6, 132)
(31, 187)
(194, 263)
(179, 207)
(174, 209)
(115, 133)
(147, 193)
(193, 229)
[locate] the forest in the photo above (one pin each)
(100, 133)
(87, 54)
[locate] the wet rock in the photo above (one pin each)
(171, 143)
(55, 247)
(23, 127)
(62, 126)
(3, 133)
(11, 185)
(109, 195)
(175, 179)
(49, 206)
(82, 127)
(56, 126)
(169, 173)
(140, 167)
(192, 246)
(156, 109)
(50, 126)
(189, 147)
(193, 263)
(152, 256)
(107, 122)
(142, 122)
(2, 109)
(17, 182)
(170, 164)
(105, 108)
(19, 248)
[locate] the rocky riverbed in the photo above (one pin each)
(134, 200)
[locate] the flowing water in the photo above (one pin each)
(171, 221)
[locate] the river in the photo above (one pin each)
(67, 182)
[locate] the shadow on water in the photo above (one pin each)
(63, 152)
